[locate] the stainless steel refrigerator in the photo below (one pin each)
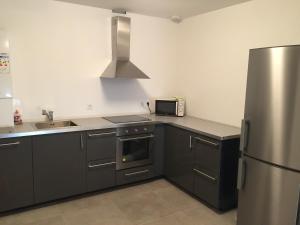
(269, 170)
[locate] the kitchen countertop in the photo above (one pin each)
(208, 128)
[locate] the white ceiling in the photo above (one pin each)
(161, 8)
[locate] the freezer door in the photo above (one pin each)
(272, 111)
(269, 195)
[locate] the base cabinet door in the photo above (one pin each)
(59, 166)
(16, 178)
(179, 157)
(159, 149)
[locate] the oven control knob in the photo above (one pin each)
(136, 130)
(145, 129)
(126, 131)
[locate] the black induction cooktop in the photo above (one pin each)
(126, 119)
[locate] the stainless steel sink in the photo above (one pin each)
(55, 124)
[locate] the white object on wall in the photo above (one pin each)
(6, 112)
(4, 42)
(5, 86)
(6, 101)
(4, 63)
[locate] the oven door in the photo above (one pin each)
(134, 151)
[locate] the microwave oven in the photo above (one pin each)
(170, 107)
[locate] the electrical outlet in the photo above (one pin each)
(89, 107)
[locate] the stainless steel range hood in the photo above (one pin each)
(121, 67)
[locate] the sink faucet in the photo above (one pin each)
(49, 115)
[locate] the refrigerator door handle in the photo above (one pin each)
(241, 174)
(244, 135)
(298, 210)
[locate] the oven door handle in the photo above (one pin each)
(136, 138)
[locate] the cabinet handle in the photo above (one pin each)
(102, 134)
(206, 141)
(102, 165)
(191, 139)
(136, 138)
(10, 144)
(136, 173)
(81, 141)
(205, 175)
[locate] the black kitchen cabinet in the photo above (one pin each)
(101, 174)
(47, 167)
(179, 157)
(229, 173)
(204, 167)
(101, 144)
(159, 149)
(59, 163)
(101, 159)
(16, 178)
(136, 174)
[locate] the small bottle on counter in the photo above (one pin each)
(17, 118)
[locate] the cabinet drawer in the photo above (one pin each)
(101, 144)
(206, 187)
(207, 154)
(134, 174)
(101, 174)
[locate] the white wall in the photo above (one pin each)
(214, 53)
(59, 50)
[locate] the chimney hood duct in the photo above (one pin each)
(121, 67)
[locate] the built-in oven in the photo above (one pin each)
(135, 146)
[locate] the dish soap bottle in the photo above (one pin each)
(17, 118)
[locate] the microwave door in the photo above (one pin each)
(165, 107)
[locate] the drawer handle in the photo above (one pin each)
(205, 175)
(102, 134)
(136, 173)
(206, 141)
(10, 144)
(102, 165)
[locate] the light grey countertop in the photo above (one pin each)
(208, 128)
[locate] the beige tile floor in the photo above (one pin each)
(154, 203)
